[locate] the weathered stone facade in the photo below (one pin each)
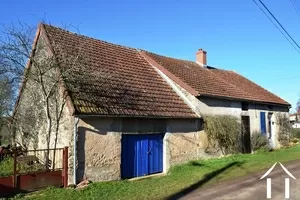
(184, 141)
(98, 139)
(215, 106)
(99, 148)
(30, 117)
(99, 143)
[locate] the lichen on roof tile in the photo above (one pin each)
(112, 79)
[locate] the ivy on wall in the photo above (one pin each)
(226, 130)
(284, 129)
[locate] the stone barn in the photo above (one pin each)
(132, 113)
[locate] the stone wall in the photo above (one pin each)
(216, 106)
(99, 143)
(29, 120)
(184, 141)
(254, 114)
(99, 148)
(230, 107)
(30, 117)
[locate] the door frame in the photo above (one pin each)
(246, 149)
(140, 134)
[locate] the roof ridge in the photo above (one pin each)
(217, 80)
(209, 71)
(169, 57)
(179, 59)
(137, 49)
(203, 68)
(226, 70)
(192, 64)
(84, 36)
(134, 89)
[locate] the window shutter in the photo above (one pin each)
(263, 122)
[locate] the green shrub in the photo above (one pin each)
(258, 141)
(295, 133)
(295, 140)
(225, 130)
(6, 166)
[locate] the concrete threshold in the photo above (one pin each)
(148, 176)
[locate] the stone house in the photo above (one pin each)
(137, 113)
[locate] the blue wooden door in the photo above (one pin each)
(263, 128)
(141, 155)
(155, 154)
(127, 157)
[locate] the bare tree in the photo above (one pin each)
(48, 72)
(43, 95)
(12, 63)
(298, 107)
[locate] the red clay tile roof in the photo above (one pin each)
(254, 91)
(215, 82)
(118, 80)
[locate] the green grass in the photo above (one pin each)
(6, 167)
(179, 178)
(7, 164)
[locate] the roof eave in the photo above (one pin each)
(241, 99)
(82, 115)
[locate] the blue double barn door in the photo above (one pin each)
(141, 155)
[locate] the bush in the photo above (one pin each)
(225, 130)
(284, 132)
(295, 140)
(258, 141)
(6, 166)
(295, 133)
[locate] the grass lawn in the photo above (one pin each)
(203, 172)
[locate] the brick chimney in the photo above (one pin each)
(201, 57)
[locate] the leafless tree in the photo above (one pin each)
(298, 107)
(47, 77)
(43, 95)
(6, 94)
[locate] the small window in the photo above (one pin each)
(245, 106)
